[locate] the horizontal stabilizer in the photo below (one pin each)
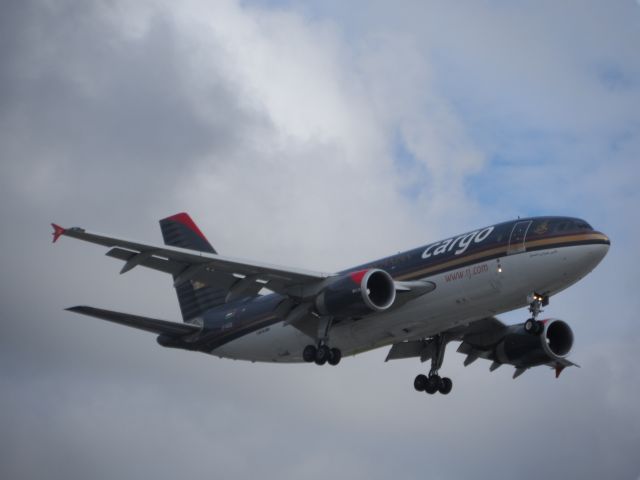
(405, 350)
(142, 323)
(425, 349)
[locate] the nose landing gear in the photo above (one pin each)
(532, 325)
(433, 382)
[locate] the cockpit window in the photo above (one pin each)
(566, 225)
(582, 225)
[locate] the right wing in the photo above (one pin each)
(239, 276)
(185, 265)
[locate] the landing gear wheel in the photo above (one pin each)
(420, 383)
(530, 325)
(445, 385)
(334, 356)
(322, 355)
(309, 353)
(433, 384)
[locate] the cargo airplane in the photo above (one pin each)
(416, 301)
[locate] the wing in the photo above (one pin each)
(206, 268)
(491, 328)
(238, 276)
(484, 339)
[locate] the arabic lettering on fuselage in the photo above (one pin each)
(460, 243)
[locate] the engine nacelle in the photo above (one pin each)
(357, 293)
(524, 349)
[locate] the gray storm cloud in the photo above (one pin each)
(309, 136)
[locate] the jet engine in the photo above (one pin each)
(357, 293)
(523, 349)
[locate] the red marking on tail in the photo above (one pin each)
(559, 369)
(357, 276)
(185, 219)
(57, 231)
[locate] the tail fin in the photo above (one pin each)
(180, 231)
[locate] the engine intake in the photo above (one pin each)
(523, 349)
(357, 293)
(558, 338)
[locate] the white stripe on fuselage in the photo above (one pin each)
(462, 296)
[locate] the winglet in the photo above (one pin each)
(57, 231)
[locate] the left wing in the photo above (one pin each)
(490, 327)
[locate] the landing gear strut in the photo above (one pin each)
(433, 382)
(321, 353)
(532, 325)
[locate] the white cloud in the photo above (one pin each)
(279, 131)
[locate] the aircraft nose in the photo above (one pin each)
(600, 250)
(606, 241)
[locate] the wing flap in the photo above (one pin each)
(485, 331)
(413, 348)
(142, 323)
(155, 263)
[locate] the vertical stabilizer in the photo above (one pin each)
(195, 298)
(180, 230)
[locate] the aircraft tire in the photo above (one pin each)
(309, 353)
(530, 326)
(335, 355)
(420, 382)
(433, 384)
(445, 386)
(322, 355)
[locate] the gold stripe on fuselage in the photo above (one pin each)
(502, 250)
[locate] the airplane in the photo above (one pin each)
(416, 301)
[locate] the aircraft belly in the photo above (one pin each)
(276, 343)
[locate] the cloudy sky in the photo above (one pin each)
(316, 135)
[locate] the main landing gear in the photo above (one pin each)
(532, 325)
(322, 353)
(433, 382)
